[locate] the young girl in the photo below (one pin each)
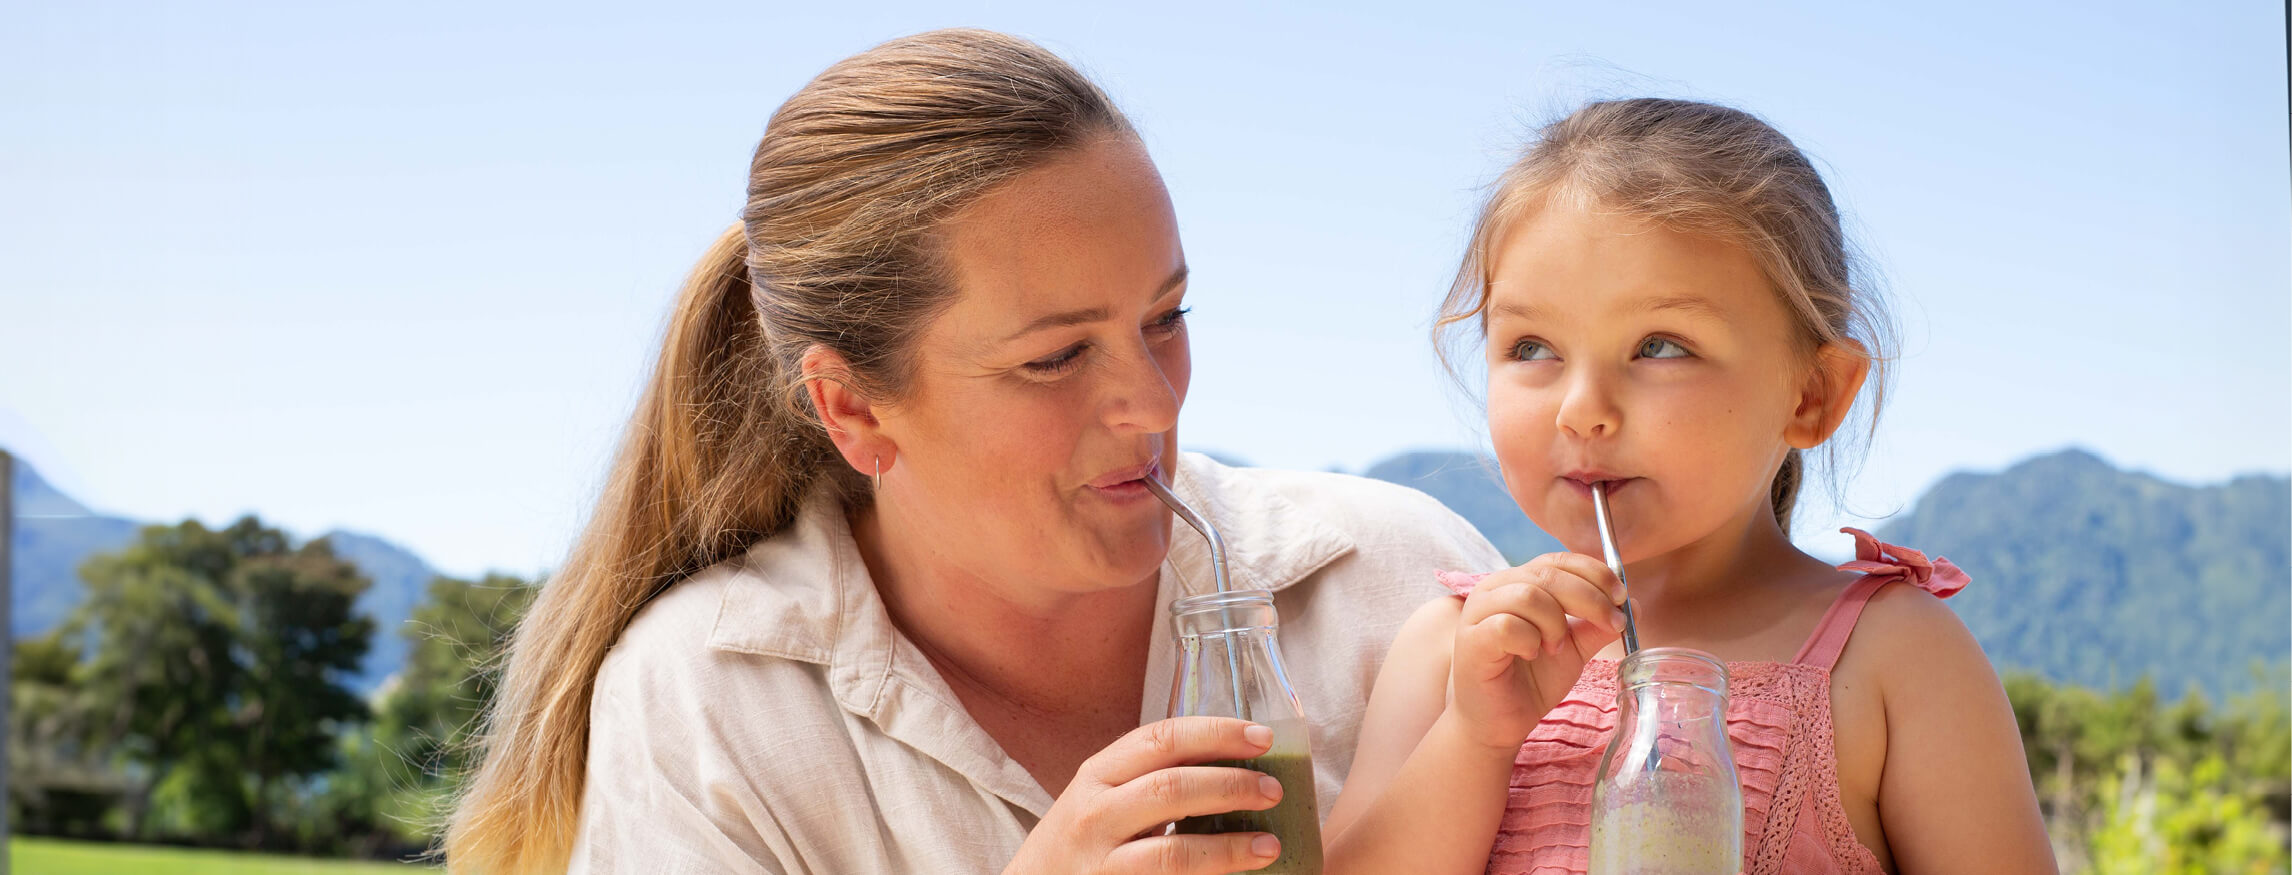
(1663, 288)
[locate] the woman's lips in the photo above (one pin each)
(1126, 485)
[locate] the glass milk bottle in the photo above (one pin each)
(1667, 801)
(1229, 665)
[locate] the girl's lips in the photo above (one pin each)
(1584, 487)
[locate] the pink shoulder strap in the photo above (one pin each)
(1829, 638)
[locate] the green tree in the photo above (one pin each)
(57, 785)
(457, 635)
(160, 676)
(217, 670)
(2129, 786)
(300, 641)
(2183, 820)
(398, 776)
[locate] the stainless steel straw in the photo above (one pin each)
(1615, 561)
(1179, 507)
(1217, 569)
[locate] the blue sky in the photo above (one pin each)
(401, 268)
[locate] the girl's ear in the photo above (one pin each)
(1840, 367)
(850, 418)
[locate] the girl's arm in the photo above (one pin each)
(1955, 794)
(1463, 686)
(1420, 796)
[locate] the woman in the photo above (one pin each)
(875, 585)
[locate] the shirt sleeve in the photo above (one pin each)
(657, 800)
(1452, 543)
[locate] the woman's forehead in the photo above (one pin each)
(1085, 237)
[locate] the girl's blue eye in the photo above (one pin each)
(1662, 348)
(1527, 350)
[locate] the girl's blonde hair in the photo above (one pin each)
(835, 249)
(1700, 169)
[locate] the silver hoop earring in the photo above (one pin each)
(879, 473)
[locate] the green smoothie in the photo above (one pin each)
(1296, 821)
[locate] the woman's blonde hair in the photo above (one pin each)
(1699, 169)
(835, 249)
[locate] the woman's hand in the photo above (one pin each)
(1523, 639)
(1110, 818)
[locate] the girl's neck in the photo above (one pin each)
(1727, 582)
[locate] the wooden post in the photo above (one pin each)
(7, 638)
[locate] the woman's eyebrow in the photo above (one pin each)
(1086, 315)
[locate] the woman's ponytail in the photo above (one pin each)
(833, 251)
(709, 464)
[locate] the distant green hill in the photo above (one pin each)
(55, 533)
(2096, 576)
(1468, 484)
(2082, 572)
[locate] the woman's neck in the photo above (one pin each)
(1029, 648)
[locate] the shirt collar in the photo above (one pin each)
(805, 593)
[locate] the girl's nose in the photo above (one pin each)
(1589, 408)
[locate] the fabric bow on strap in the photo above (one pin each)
(1939, 576)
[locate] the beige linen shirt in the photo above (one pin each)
(766, 716)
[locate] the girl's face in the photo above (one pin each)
(1659, 362)
(1051, 385)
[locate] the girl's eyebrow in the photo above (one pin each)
(1683, 303)
(1686, 304)
(1516, 310)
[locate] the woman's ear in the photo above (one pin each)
(850, 417)
(1840, 368)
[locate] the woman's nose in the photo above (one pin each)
(1140, 397)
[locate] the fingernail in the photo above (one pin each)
(1270, 786)
(1616, 621)
(1265, 846)
(1259, 734)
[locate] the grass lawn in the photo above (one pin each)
(27, 856)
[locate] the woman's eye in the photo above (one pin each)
(1662, 348)
(1531, 350)
(1058, 363)
(1173, 320)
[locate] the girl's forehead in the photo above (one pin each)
(1574, 262)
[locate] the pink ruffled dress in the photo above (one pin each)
(1778, 718)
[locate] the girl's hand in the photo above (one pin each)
(1109, 819)
(1523, 639)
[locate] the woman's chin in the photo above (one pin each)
(1130, 557)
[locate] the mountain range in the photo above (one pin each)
(55, 533)
(2082, 572)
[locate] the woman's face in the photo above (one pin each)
(1051, 386)
(1660, 362)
